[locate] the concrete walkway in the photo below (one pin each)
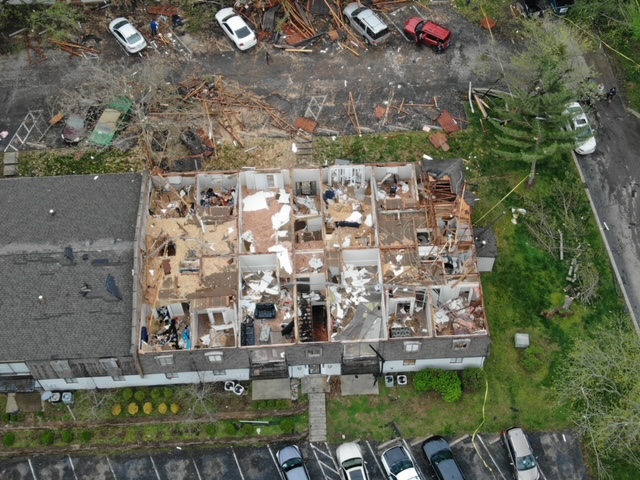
(317, 387)
(317, 417)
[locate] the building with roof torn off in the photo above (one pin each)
(259, 274)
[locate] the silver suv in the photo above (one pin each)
(523, 462)
(366, 23)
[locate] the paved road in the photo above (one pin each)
(558, 454)
(612, 176)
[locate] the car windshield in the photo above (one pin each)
(440, 456)
(401, 466)
(379, 34)
(526, 463)
(243, 32)
(119, 24)
(356, 475)
(135, 38)
(291, 464)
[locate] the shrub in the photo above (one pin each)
(9, 439)
(86, 435)
(210, 429)
(287, 426)
(48, 437)
(140, 396)
(248, 429)
(40, 414)
(163, 408)
(282, 404)
(156, 394)
(229, 429)
(175, 408)
(167, 393)
(532, 358)
(472, 378)
(148, 408)
(445, 382)
(67, 436)
(127, 394)
(133, 408)
(116, 410)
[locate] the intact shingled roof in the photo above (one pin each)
(65, 281)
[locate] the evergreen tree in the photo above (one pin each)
(530, 124)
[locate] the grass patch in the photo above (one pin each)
(38, 163)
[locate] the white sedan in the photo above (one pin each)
(351, 462)
(127, 35)
(578, 123)
(236, 28)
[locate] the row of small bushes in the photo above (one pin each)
(148, 408)
(449, 383)
(49, 436)
(156, 394)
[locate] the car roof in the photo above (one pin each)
(436, 30)
(370, 18)
(347, 451)
(519, 441)
(236, 22)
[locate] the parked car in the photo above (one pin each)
(524, 464)
(398, 465)
(364, 21)
(127, 35)
(351, 462)
(579, 123)
(441, 459)
(236, 28)
(428, 33)
(111, 121)
(292, 464)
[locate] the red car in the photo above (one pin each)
(428, 33)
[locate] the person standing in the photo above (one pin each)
(154, 28)
(611, 93)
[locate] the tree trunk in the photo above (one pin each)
(532, 174)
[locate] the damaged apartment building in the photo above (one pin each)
(258, 274)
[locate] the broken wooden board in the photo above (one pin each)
(306, 124)
(447, 122)
(439, 140)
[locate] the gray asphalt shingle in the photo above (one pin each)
(76, 317)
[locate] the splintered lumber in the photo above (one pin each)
(480, 105)
(298, 50)
(353, 114)
(56, 118)
(73, 48)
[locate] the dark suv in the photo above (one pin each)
(428, 33)
(438, 452)
(366, 23)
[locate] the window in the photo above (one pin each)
(61, 366)
(314, 352)
(71, 380)
(119, 379)
(109, 363)
(214, 357)
(314, 369)
(14, 369)
(411, 346)
(165, 360)
(409, 362)
(219, 372)
(461, 344)
(456, 360)
(271, 181)
(171, 375)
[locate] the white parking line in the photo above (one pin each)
(197, 471)
(396, 27)
(332, 459)
(321, 464)
(31, 468)
(73, 469)
(415, 464)
(273, 457)
(111, 468)
(375, 457)
(491, 457)
(458, 440)
(154, 467)
(235, 457)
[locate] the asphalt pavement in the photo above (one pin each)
(483, 457)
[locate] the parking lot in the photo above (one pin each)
(559, 457)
